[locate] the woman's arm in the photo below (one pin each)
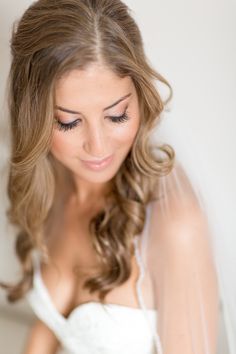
(41, 340)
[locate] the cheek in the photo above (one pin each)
(128, 133)
(61, 145)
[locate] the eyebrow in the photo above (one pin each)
(112, 105)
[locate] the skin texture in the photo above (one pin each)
(96, 136)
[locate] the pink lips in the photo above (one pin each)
(100, 164)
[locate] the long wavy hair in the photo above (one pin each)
(52, 38)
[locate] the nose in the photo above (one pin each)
(95, 143)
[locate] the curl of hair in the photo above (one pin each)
(52, 38)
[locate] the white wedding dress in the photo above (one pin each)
(95, 328)
(177, 287)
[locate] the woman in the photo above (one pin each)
(113, 239)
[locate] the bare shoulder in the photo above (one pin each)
(176, 193)
(180, 232)
(178, 213)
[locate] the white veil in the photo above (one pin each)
(205, 322)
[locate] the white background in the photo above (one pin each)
(192, 44)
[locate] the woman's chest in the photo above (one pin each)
(74, 244)
(75, 247)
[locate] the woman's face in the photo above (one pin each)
(88, 106)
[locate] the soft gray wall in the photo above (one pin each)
(191, 43)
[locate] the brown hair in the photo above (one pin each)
(52, 38)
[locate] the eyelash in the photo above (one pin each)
(68, 126)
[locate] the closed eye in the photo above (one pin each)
(119, 119)
(68, 126)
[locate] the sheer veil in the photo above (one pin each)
(189, 264)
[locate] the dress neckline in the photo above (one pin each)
(39, 283)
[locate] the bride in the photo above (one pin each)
(113, 239)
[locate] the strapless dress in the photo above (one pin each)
(93, 327)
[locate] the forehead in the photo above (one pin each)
(96, 83)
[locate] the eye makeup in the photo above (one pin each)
(68, 126)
